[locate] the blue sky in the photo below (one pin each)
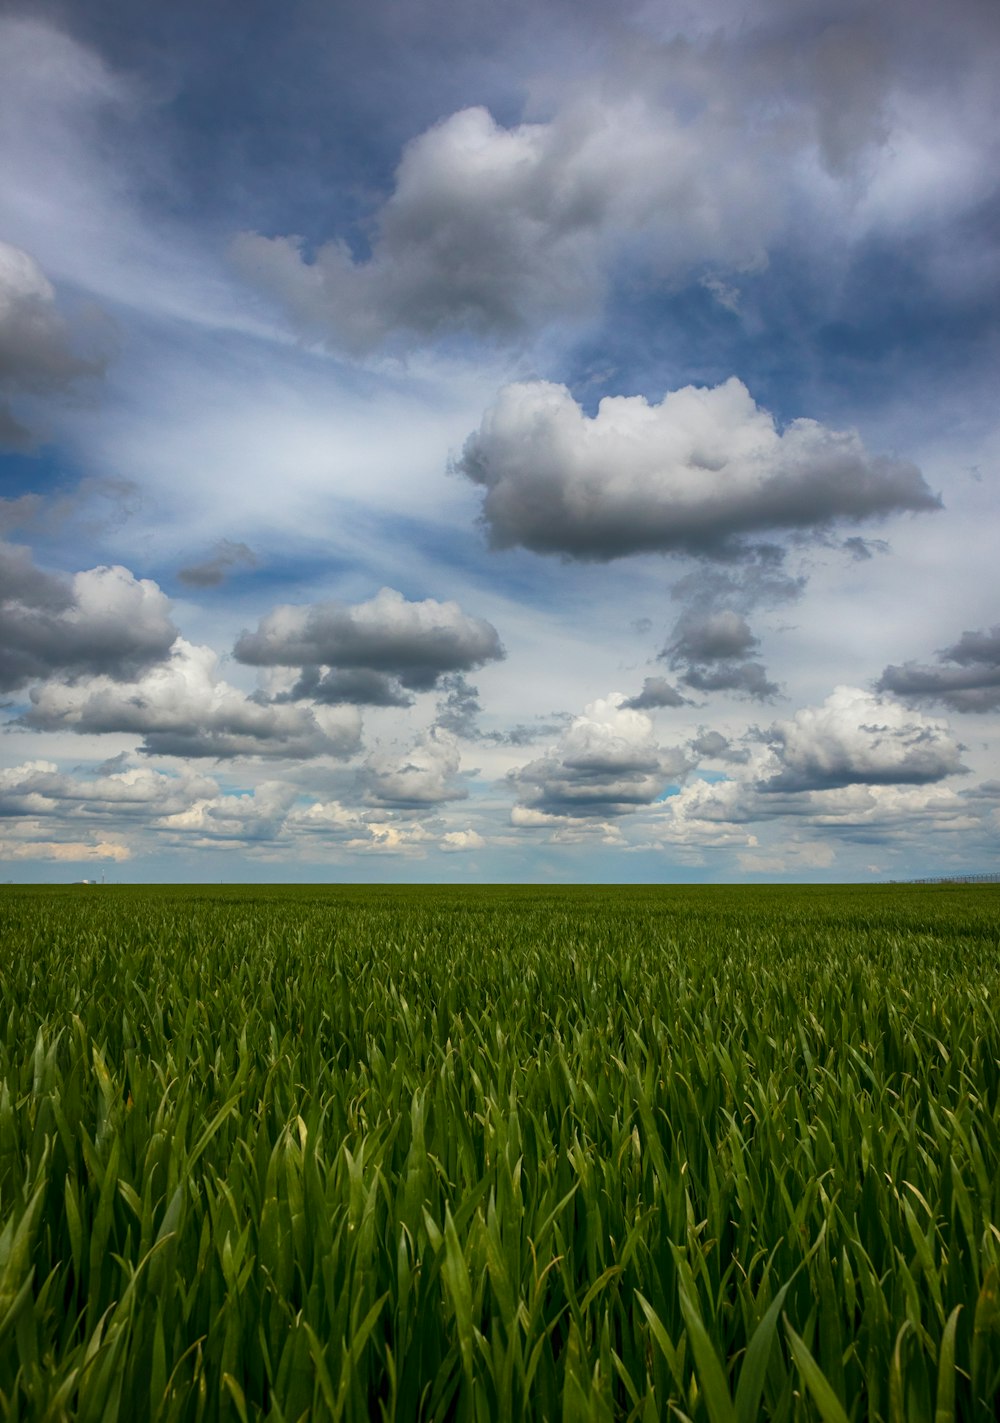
(476, 443)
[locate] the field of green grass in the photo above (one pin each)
(716, 1154)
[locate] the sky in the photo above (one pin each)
(469, 442)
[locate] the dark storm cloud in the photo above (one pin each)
(966, 677)
(695, 474)
(656, 692)
(211, 571)
(101, 621)
(416, 642)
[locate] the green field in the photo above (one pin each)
(721, 1154)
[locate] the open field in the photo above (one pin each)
(500, 1153)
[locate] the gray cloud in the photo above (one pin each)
(711, 648)
(100, 621)
(414, 642)
(714, 746)
(695, 474)
(966, 678)
(710, 637)
(356, 686)
(605, 764)
(211, 571)
(459, 709)
(656, 692)
(748, 679)
(180, 708)
(37, 355)
(495, 231)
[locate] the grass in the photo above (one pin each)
(500, 1153)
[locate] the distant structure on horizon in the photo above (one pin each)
(952, 879)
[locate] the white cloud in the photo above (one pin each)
(68, 850)
(459, 840)
(38, 789)
(182, 708)
(858, 737)
(425, 775)
(606, 763)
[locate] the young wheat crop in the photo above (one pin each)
(499, 1154)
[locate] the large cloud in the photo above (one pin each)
(967, 676)
(856, 737)
(702, 469)
(102, 621)
(181, 708)
(607, 763)
(495, 231)
(37, 349)
(688, 157)
(374, 650)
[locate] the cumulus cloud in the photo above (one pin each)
(39, 789)
(248, 818)
(606, 763)
(695, 474)
(102, 621)
(181, 708)
(426, 775)
(656, 692)
(226, 556)
(462, 840)
(495, 230)
(858, 767)
(404, 645)
(37, 347)
(966, 677)
(856, 737)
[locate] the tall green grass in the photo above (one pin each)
(499, 1154)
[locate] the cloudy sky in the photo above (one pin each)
(460, 441)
